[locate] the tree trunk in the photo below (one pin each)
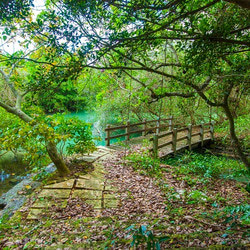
(234, 137)
(56, 158)
(50, 146)
(242, 3)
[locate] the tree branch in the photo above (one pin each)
(12, 87)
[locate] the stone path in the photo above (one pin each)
(93, 188)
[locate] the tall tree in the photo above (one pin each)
(11, 100)
(209, 41)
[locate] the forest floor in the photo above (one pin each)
(155, 204)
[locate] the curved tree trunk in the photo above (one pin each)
(234, 137)
(56, 158)
(242, 3)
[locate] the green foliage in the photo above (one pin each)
(53, 89)
(77, 132)
(238, 216)
(242, 129)
(40, 174)
(31, 138)
(196, 196)
(10, 9)
(7, 119)
(241, 212)
(145, 164)
(4, 222)
(141, 236)
(64, 98)
(207, 166)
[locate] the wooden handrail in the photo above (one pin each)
(191, 131)
(188, 137)
(146, 127)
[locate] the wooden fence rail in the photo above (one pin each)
(182, 135)
(135, 128)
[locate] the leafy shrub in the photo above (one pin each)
(142, 236)
(241, 127)
(142, 161)
(238, 217)
(75, 134)
(197, 196)
(207, 165)
(72, 134)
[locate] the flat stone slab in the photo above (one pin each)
(105, 157)
(87, 194)
(110, 188)
(93, 157)
(98, 167)
(61, 185)
(105, 149)
(89, 159)
(109, 196)
(45, 203)
(94, 184)
(55, 193)
(97, 173)
(86, 177)
(108, 203)
(97, 204)
(116, 147)
(35, 213)
(99, 153)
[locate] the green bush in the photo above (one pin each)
(141, 236)
(145, 164)
(71, 136)
(238, 216)
(207, 166)
(241, 127)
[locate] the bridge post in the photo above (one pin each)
(202, 133)
(144, 127)
(170, 123)
(155, 146)
(174, 140)
(212, 130)
(108, 135)
(189, 137)
(127, 131)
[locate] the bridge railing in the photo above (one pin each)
(182, 138)
(142, 128)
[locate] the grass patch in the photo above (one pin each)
(144, 164)
(208, 166)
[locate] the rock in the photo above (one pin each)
(13, 181)
(15, 197)
(2, 206)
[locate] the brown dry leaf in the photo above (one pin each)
(64, 240)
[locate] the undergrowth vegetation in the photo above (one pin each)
(192, 200)
(199, 176)
(145, 164)
(242, 129)
(208, 166)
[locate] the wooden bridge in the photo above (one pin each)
(165, 138)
